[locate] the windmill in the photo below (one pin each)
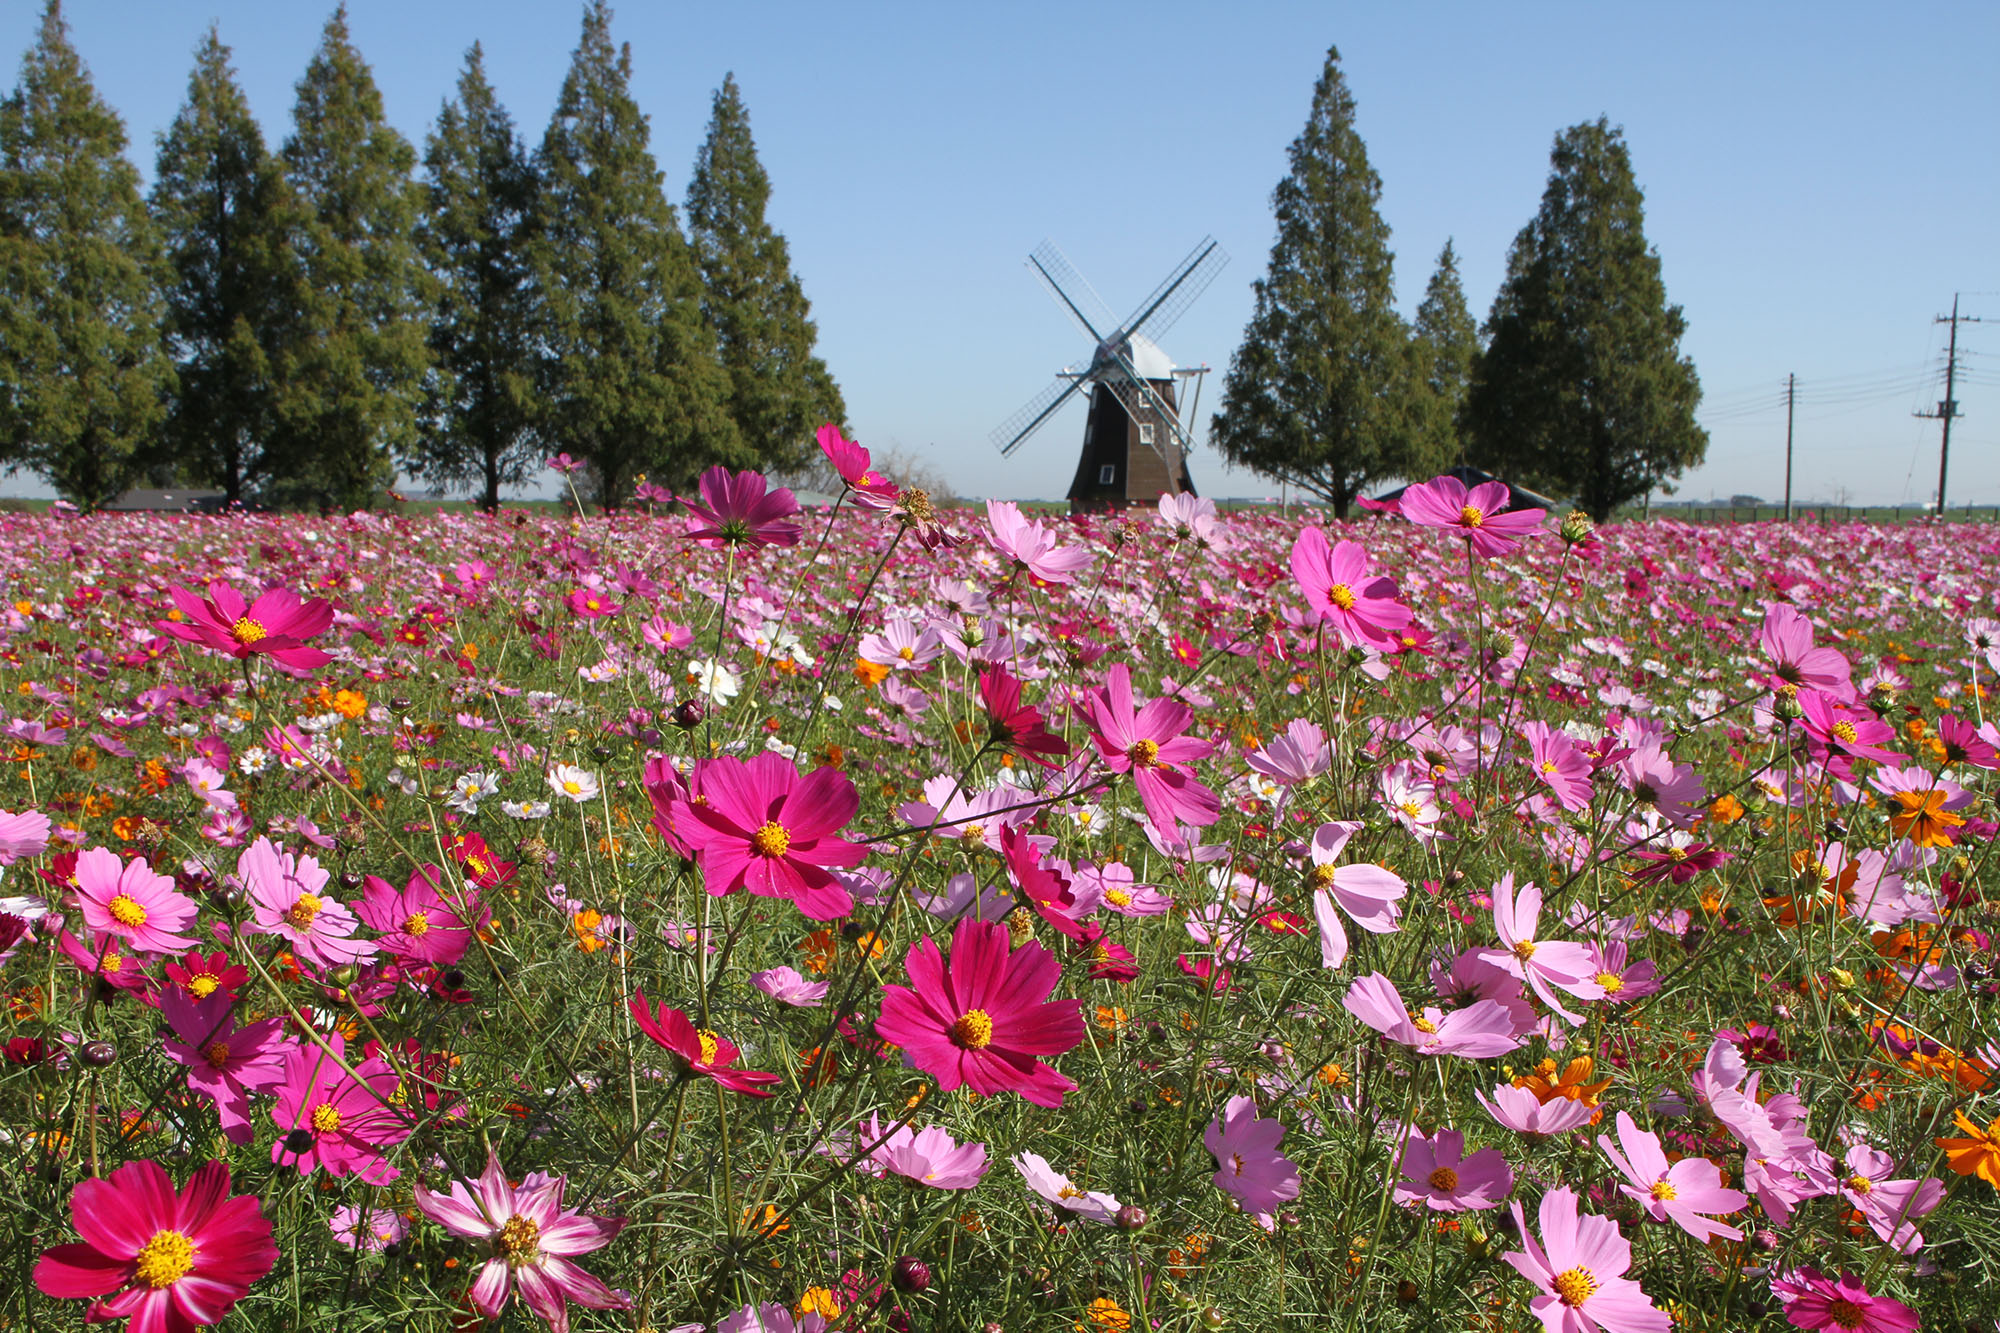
(1135, 444)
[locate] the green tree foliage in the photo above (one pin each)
(481, 396)
(1582, 390)
(352, 370)
(630, 369)
(1316, 394)
(779, 391)
(83, 375)
(223, 211)
(1444, 343)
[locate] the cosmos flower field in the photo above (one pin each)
(740, 918)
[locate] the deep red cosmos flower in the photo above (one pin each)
(277, 624)
(704, 1052)
(1015, 725)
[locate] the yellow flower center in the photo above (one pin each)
(217, 1054)
(973, 832)
(325, 1119)
(1144, 754)
(973, 1030)
(907, 653)
(1412, 809)
(419, 923)
(1341, 596)
(572, 787)
(1069, 1192)
(708, 1045)
(1611, 981)
(303, 911)
(1664, 1190)
(127, 912)
(1444, 1180)
(1423, 1025)
(774, 839)
(164, 1260)
(521, 1240)
(1861, 1184)
(1472, 516)
(1322, 876)
(1548, 765)
(1574, 1285)
(246, 631)
(1524, 949)
(1845, 733)
(203, 985)
(1118, 897)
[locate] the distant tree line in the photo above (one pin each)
(1575, 386)
(296, 327)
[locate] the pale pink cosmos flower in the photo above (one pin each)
(1681, 1192)
(770, 1317)
(1411, 801)
(1892, 1207)
(130, 901)
(532, 1237)
(1362, 608)
(1658, 783)
(1580, 1265)
(929, 1156)
(787, 985)
(1188, 517)
(1543, 964)
(1054, 1186)
(287, 899)
(1148, 743)
(1483, 1028)
(22, 835)
(1251, 1170)
(1296, 754)
(902, 645)
(1520, 1110)
(1787, 640)
(1367, 893)
(1438, 1174)
(1444, 502)
(1032, 546)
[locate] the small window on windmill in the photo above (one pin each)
(1145, 432)
(1107, 474)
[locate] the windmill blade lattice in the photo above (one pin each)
(1170, 300)
(1010, 434)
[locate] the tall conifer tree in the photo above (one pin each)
(353, 366)
(223, 211)
(1316, 395)
(83, 376)
(633, 382)
(779, 392)
(1582, 390)
(1444, 343)
(481, 396)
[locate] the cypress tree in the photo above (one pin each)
(84, 378)
(352, 371)
(1315, 395)
(629, 368)
(481, 397)
(779, 392)
(1582, 390)
(223, 210)
(1444, 343)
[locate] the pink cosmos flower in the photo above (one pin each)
(1680, 1192)
(1786, 639)
(129, 901)
(22, 835)
(1032, 546)
(1438, 1174)
(762, 827)
(1042, 884)
(1250, 1169)
(1188, 517)
(1813, 1300)
(592, 604)
(1368, 893)
(1847, 730)
(1297, 754)
(927, 1156)
(1335, 580)
(982, 1018)
(1483, 1028)
(533, 1239)
(328, 1117)
(741, 509)
(1520, 1110)
(1147, 742)
(1963, 744)
(1559, 762)
(1892, 1207)
(1444, 502)
(1658, 783)
(851, 461)
(171, 1263)
(902, 645)
(1543, 964)
(769, 1317)
(1055, 1187)
(787, 985)
(1623, 978)
(416, 921)
(702, 1051)
(277, 624)
(286, 900)
(225, 1063)
(1580, 1266)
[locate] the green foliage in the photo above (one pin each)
(630, 369)
(481, 396)
(1582, 390)
(223, 211)
(1317, 394)
(354, 359)
(779, 391)
(83, 377)
(1444, 343)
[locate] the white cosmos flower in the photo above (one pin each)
(713, 681)
(579, 784)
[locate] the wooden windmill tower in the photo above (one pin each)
(1135, 444)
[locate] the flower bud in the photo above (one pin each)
(1212, 1318)
(1131, 1217)
(1576, 526)
(1788, 708)
(687, 714)
(98, 1054)
(910, 1275)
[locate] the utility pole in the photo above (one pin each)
(1791, 394)
(1948, 409)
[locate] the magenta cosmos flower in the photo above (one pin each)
(982, 1018)
(1580, 1266)
(702, 1051)
(225, 1063)
(851, 461)
(331, 1118)
(759, 826)
(416, 921)
(1032, 546)
(1680, 1192)
(1444, 502)
(129, 901)
(286, 899)
(171, 1263)
(1845, 729)
(1787, 639)
(1015, 726)
(1250, 1169)
(532, 1239)
(1335, 579)
(1438, 1174)
(1147, 742)
(740, 509)
(1814, 1300)
(277, 624)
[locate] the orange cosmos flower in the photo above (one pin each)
(1976, 1155)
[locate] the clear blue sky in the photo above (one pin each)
(1819, 179)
